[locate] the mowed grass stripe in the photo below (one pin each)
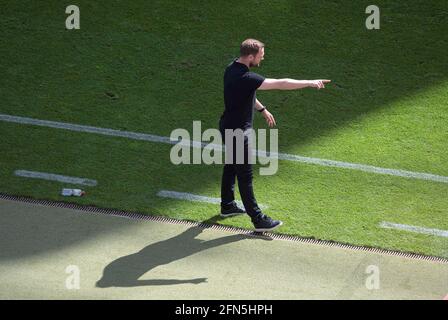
(281, 156)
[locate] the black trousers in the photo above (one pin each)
(242, 172)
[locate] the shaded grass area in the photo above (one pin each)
(152, 66)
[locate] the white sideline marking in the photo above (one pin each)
(195, 197)
(54, 177)
(82, 128)
(196, 144)
(397, 226)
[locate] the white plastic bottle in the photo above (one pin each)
(72, 192)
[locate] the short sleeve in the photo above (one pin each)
(253, 80)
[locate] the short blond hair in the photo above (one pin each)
(250, 46)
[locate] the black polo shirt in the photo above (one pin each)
(240, 87)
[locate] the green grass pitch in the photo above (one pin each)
(154, 66)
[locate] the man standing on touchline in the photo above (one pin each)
(240, 86)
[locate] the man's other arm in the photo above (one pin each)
(291, 84)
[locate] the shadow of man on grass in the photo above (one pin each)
(126, 271)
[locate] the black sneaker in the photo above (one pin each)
(231, 211)
(264, 223)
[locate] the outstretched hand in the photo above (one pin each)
(319, 84)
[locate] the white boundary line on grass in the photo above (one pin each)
(281, 156)
(54, 177)
(195, 197)
(405, 227)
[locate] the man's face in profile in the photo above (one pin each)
(257, 59)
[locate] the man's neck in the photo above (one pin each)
(243, 61)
